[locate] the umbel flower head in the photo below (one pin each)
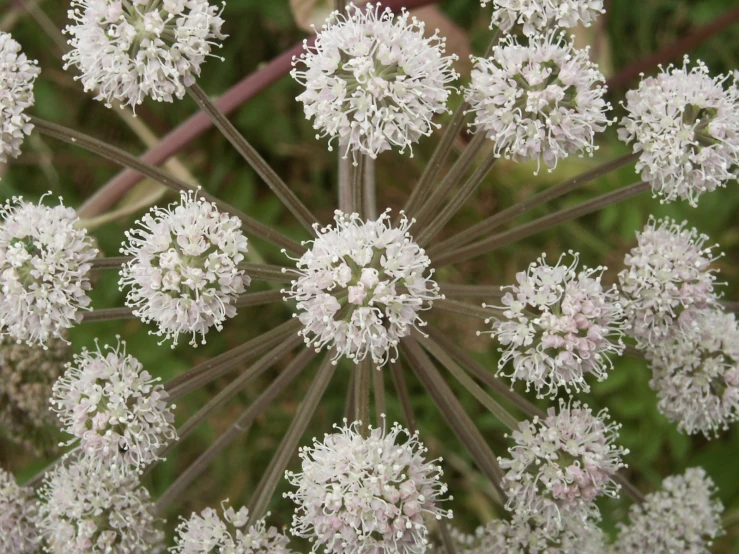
(558, 326)
(116, 409)
(666, 274)
(17, 75)
(126, 50)
(538, 15)
(686, 128)
(373, 80)
(185, 274)
(27, 374)
(44, 264)
(361, 286)
(85, 509)
(18, 533)
(683, 517)
(369, 495)
(542, 101)
(696, 373)
(561, 464)
(208, 533)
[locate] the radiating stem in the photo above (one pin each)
(538, 225)
(378, 389)
(107, 314)
(253, 158)
(471, 291)
(730, 306)
(453, 412)
(357, 181)
(495, 221)
(258, 298)
(362, 381)
(125, 159)
(208, 371)
(463, 308)
(401, 389)
(346, 202)
(266, 272)
(109, 262)
(289, 444)
(446, 538)
(370, 190)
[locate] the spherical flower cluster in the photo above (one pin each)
(561, 464)
(666, 274)
(537, 15)
(373, 80)
(17, 515)
(682, 517)
(558, 325)
(185, 273)
(26, 376)
(696, 373)
(109, 402)
(44, 262)
(17, 75)
(542, 101)
(686, 128)
(366, 495)
(207, 533)
(127, 50)
(86, 510)
(361, 287)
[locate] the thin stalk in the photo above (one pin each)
(467, 382)
(362, 381)
(107, 314)
(471, 291)
(458, 200)
(340, 6)
(370, 190)
(462, 308)
(357, 181)
(378, 389)
(634, 352)
(258, 298)
(253, 158)
(208, 371)
(109, 262)
(730, 306)
(635, 494)
(266, 272)
(37, 479)
(495, 221)
(345, 183)
(448, 182)
(289, 444)
(453, 412)
(446, 538)
(125, 159)
(350, 398)
(538, 225)
(401, 389)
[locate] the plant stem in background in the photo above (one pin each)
(109, 262)
(362, 381)
(357, 183)
(370, 190)
(107, 314)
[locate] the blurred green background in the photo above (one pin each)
(274, 123)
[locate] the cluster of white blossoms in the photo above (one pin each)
(667, 277)
(542, 101)
(536, 15)
(115, 407)
(27, 374)
(373, 80)
(86, 510)
(17, 75)
(686, 128)
(17, 516)
(185, 274)
(44, 264)
(207, 533)
(367, 495)
(696, 373)
(361, 286)
(558, 326)
(126, 50)
(682, 517)
(561, 464)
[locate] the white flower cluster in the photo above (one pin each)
(686, 128)
(17, 75)
(666, 274)
(367, 495)
(44, 262)
(361, 287)
(558, 325)
(86, 510)
(561, 464)
(373, 80)
(185, 273)
(127, 50)
(696, 373)
(537, 15)
(17, 517)
(542, 101)
(683, 517)
(207, 533)
(116, 409)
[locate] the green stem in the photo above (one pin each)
(266, 272)
(471, 291)
(362, 381)
(109, 262)
(253, 158)
(463, 308)
(107, 314)
(378, 388)
(401, 389)
(370, 190)
(446, 538)
(357, 180)
(345, 181)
